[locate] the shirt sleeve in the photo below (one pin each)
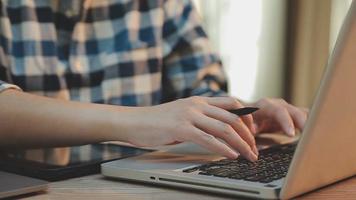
(189, 66)
(4, 86)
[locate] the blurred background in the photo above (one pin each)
(273, 48)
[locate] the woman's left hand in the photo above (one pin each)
(278, 115)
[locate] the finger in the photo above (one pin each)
(247, 119)
(227, 133)
(305, 110)
(285, 121)
(233, 120)
(299, 116)
(211, 143)
(228, 103)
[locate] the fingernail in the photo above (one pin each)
(291, 131)
(254, 129)
(234, 155)
(252, 157)
(255, 150)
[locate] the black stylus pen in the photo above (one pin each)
(244, 111)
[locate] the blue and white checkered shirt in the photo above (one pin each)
(122, 52)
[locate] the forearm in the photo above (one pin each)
(31, 120)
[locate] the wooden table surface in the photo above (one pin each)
(99, 187)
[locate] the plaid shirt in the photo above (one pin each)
(120, 52)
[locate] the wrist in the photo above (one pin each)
(116, 123)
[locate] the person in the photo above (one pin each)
(142, 72)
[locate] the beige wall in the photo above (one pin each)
(314, 28)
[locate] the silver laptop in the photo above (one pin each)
(13, 185)
(325, 153)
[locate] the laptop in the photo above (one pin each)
(324, 154)
(13, 185)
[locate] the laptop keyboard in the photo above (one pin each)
(272, 164)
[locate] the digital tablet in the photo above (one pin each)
(54, 164)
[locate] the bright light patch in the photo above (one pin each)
(242, 24)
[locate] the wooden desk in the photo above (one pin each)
(98, 187)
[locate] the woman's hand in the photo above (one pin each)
(277, 115)
(202, 120)
(206, 121)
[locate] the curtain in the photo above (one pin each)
(308, 48)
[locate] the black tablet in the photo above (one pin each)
(54, 164)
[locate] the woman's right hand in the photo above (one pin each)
(202, 120)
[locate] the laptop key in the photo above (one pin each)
(204, 173)
(189, 170)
